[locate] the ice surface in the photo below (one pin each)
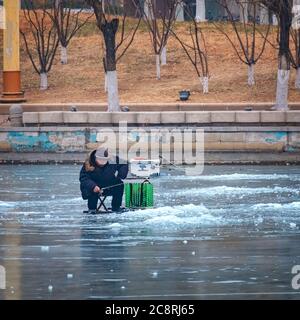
(228, 233)
(241, 176)
(233, 191)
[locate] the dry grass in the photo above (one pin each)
(82, 80)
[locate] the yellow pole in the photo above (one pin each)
(11, 53)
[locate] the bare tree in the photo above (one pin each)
(283, 11)
(246, 32)
(109, 21)
(159, 20)
(40, 38)
(196, 51)
(68, 21)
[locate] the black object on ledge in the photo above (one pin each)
(184, 95)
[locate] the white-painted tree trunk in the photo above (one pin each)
(157, 66)
(148, 10)
(244, 12)
(275, 20)
(113, 92)
(204, 82)
(180, 12)
(2, 17)
(296, 15)
(251, 75)
(63, 55)
(282, 90)
(164, 56)
(105, 82)
(297, 82)
(264, 15)
(295, 4)
(43, 81)
(200, 10)
(103, 6)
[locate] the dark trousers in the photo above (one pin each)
(116, 193)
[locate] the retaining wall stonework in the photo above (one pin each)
(67, 118)
(231, 144)
(148, 107)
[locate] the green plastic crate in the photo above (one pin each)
(139, 195)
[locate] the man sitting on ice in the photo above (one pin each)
(102, 171)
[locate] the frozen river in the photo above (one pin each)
(233, 232)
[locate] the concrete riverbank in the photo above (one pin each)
(224, 136)
(221, 144)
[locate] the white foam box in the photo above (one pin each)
(144, 168)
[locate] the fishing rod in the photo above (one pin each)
(171, 163)
(117, 185)
(110, 187)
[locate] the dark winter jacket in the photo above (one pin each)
(92, 175)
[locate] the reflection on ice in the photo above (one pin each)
(6, 204)
(241, 176)
(276, 206)
(234, 191)
(44, 248)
